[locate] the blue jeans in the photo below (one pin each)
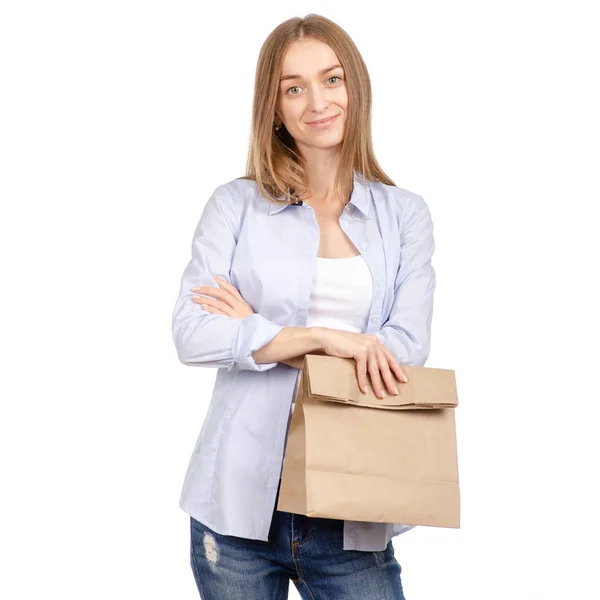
(307, 550)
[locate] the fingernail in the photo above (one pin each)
(395, 390)
(405, 379)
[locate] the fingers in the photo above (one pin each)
(214, 306)
(383, 369)
(394, 366)
(373, 368)
(228, 286)
(361, 372)
(215, 311)
(386, 374)
(226, 292)
(205, 290)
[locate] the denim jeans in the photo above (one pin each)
(305, 550)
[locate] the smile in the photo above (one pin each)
(324, 122)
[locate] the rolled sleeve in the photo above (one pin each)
(255, 332)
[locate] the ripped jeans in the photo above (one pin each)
(306, 550)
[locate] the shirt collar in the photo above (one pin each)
(359, 198)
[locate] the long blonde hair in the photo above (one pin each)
(273, 159)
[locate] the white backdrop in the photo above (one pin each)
(119, 118)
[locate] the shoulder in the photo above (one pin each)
(235, 192)
(239, 196)
(233, 199)
(397, 200)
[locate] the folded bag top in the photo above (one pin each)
(334, 379)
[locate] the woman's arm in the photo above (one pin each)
(407, 331)
(297, 362)
(212, 340)
(290, 345)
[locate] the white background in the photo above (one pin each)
(119, 118)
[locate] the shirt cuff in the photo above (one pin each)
(254, 332)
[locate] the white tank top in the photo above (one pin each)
(340, 297)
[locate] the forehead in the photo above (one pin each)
(307, 57)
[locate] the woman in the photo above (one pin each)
(315, 250)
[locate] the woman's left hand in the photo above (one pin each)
(225, 300)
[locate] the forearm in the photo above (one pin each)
(290, 345)
(298, 361)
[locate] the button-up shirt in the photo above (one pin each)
(268, 252)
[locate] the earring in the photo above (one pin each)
(277, 127)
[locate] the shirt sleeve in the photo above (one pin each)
(407, 331)
(202, 338)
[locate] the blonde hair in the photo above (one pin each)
(273, 159)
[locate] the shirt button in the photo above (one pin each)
(373, 319)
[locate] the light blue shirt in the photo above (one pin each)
(268, 253)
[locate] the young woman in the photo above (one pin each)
(315, 250)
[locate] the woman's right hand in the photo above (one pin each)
(370, 355)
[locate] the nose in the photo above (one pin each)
(318, 100)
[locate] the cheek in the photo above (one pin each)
(341, 99)
(293, 112)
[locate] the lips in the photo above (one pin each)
(325, 121)
(324, 124)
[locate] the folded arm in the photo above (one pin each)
(291, 344)
(209, 340)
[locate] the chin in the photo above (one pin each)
(327, 144)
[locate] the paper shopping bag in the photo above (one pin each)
(357, 457)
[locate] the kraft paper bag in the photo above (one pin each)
(357, 457)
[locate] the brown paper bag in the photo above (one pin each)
(357, 457)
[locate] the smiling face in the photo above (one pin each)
(311, 90)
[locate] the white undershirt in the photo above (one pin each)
(340, 296)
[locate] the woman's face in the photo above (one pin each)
(313, 93)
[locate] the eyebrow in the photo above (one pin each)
(322, 72)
